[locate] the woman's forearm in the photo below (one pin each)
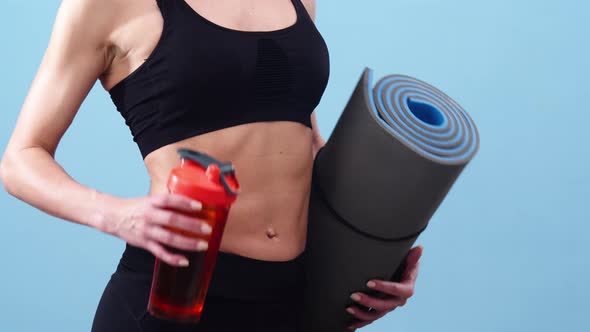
(33, 176)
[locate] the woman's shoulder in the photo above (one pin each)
(96, 17)
(105, 30)
(100, 15)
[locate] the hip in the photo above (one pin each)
(234, 276)
(245, 294)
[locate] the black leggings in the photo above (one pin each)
(244, 295)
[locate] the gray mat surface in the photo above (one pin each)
(392, 157)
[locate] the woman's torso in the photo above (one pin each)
(273, 159)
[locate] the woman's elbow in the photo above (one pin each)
(7, 173)
(3, 173)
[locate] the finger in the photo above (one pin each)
(175, 201)
(166, 256)
(378, 304)
(358, 325)
(175, 240)
(412, 263)
(403, 290)
(179, 221)
(362, 315)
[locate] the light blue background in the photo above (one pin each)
(506, 251)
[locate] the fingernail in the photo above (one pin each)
(206, 229)
(371, 284)
(196, 205)
(183, 262)
(350, 311)
(355, 297)
(202, 245)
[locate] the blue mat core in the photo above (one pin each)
(426, 112)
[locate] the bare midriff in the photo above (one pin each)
(272, 159)
(273, 162)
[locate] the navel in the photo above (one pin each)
(271, 233)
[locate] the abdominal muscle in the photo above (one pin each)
(273, 159)
(273, 162)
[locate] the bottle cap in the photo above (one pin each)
(204, 178)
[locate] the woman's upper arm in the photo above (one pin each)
(74, 59)
(310, 6)
(317, 137)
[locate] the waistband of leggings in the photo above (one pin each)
(236, 276)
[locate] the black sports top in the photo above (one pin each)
(202, 77)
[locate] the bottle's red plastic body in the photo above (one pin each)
(178, 293)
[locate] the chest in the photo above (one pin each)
(253, 42)
(142, 23)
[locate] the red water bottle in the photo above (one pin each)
(178, 293)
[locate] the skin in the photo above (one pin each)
(107, 40)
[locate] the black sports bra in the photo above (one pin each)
(202, 77)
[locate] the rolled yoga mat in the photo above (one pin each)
(393, 155)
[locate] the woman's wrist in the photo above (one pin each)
(103, 216)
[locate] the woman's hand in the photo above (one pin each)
(396, 293)
(147, 221)
(318, 143)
